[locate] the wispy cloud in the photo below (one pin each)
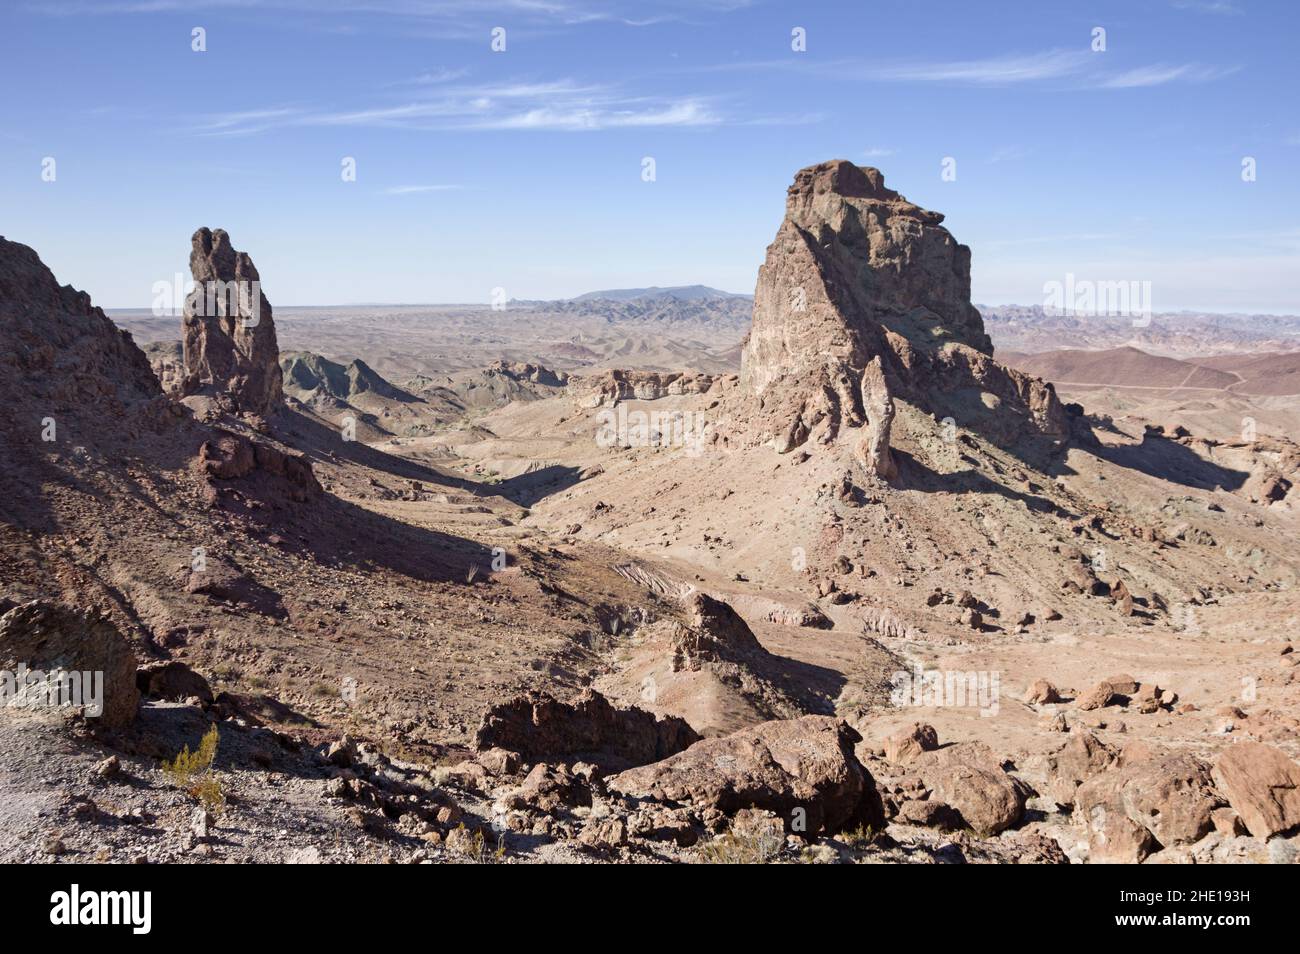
(416, 189)
(993, 71)
(1159, 74)
(562, 12)
(1220, 7)
(560, 105)
(878, 152)
(1008, 153)
(1056, 68)
(434, 77)
(247, 121)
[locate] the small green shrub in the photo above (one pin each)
(192, 772)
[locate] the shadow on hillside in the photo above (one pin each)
(1158, 456)
(915, 475)
(335, 532)
(814, 687)
(319, 442)
(527, 489)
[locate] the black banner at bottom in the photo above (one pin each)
(145, 904)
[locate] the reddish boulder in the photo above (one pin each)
(1134, 811)
(1263, 785)
(803, 769)
(969, 778)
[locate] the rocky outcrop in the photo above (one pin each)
(62, 359)
(230, 456)
(527, 371)
(541, 728)
(229, 344)
(44, 637)
(708, 669)
(310, 375)
(618, 385)
(860, 280)
(804, 770)
(716, 632)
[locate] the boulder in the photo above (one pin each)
(499, 761)
(1123, 599)
(907, 744)
(716, 631)
(970, 779)
(1124, 684)
(45, 636)
(1263, 785)
(1099, 697)
(1133, 811)
(1078, 760)
(930, 813)
(548, 788)
(541, 728)
(803, 770)
(1042, 693)
(878, 404)
(606, 832)
(229, 456)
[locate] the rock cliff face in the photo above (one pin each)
(856, 275)
(61, 358)
(230, 348)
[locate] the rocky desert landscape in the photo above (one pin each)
(851, 571)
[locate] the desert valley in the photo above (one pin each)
(851, 571)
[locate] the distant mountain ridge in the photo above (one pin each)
(1266, 373)
(1185, 334)
(682, 306)
(677, 292)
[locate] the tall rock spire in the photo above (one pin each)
(858, 273)
(229, 344)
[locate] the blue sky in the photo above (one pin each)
(522, 169)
